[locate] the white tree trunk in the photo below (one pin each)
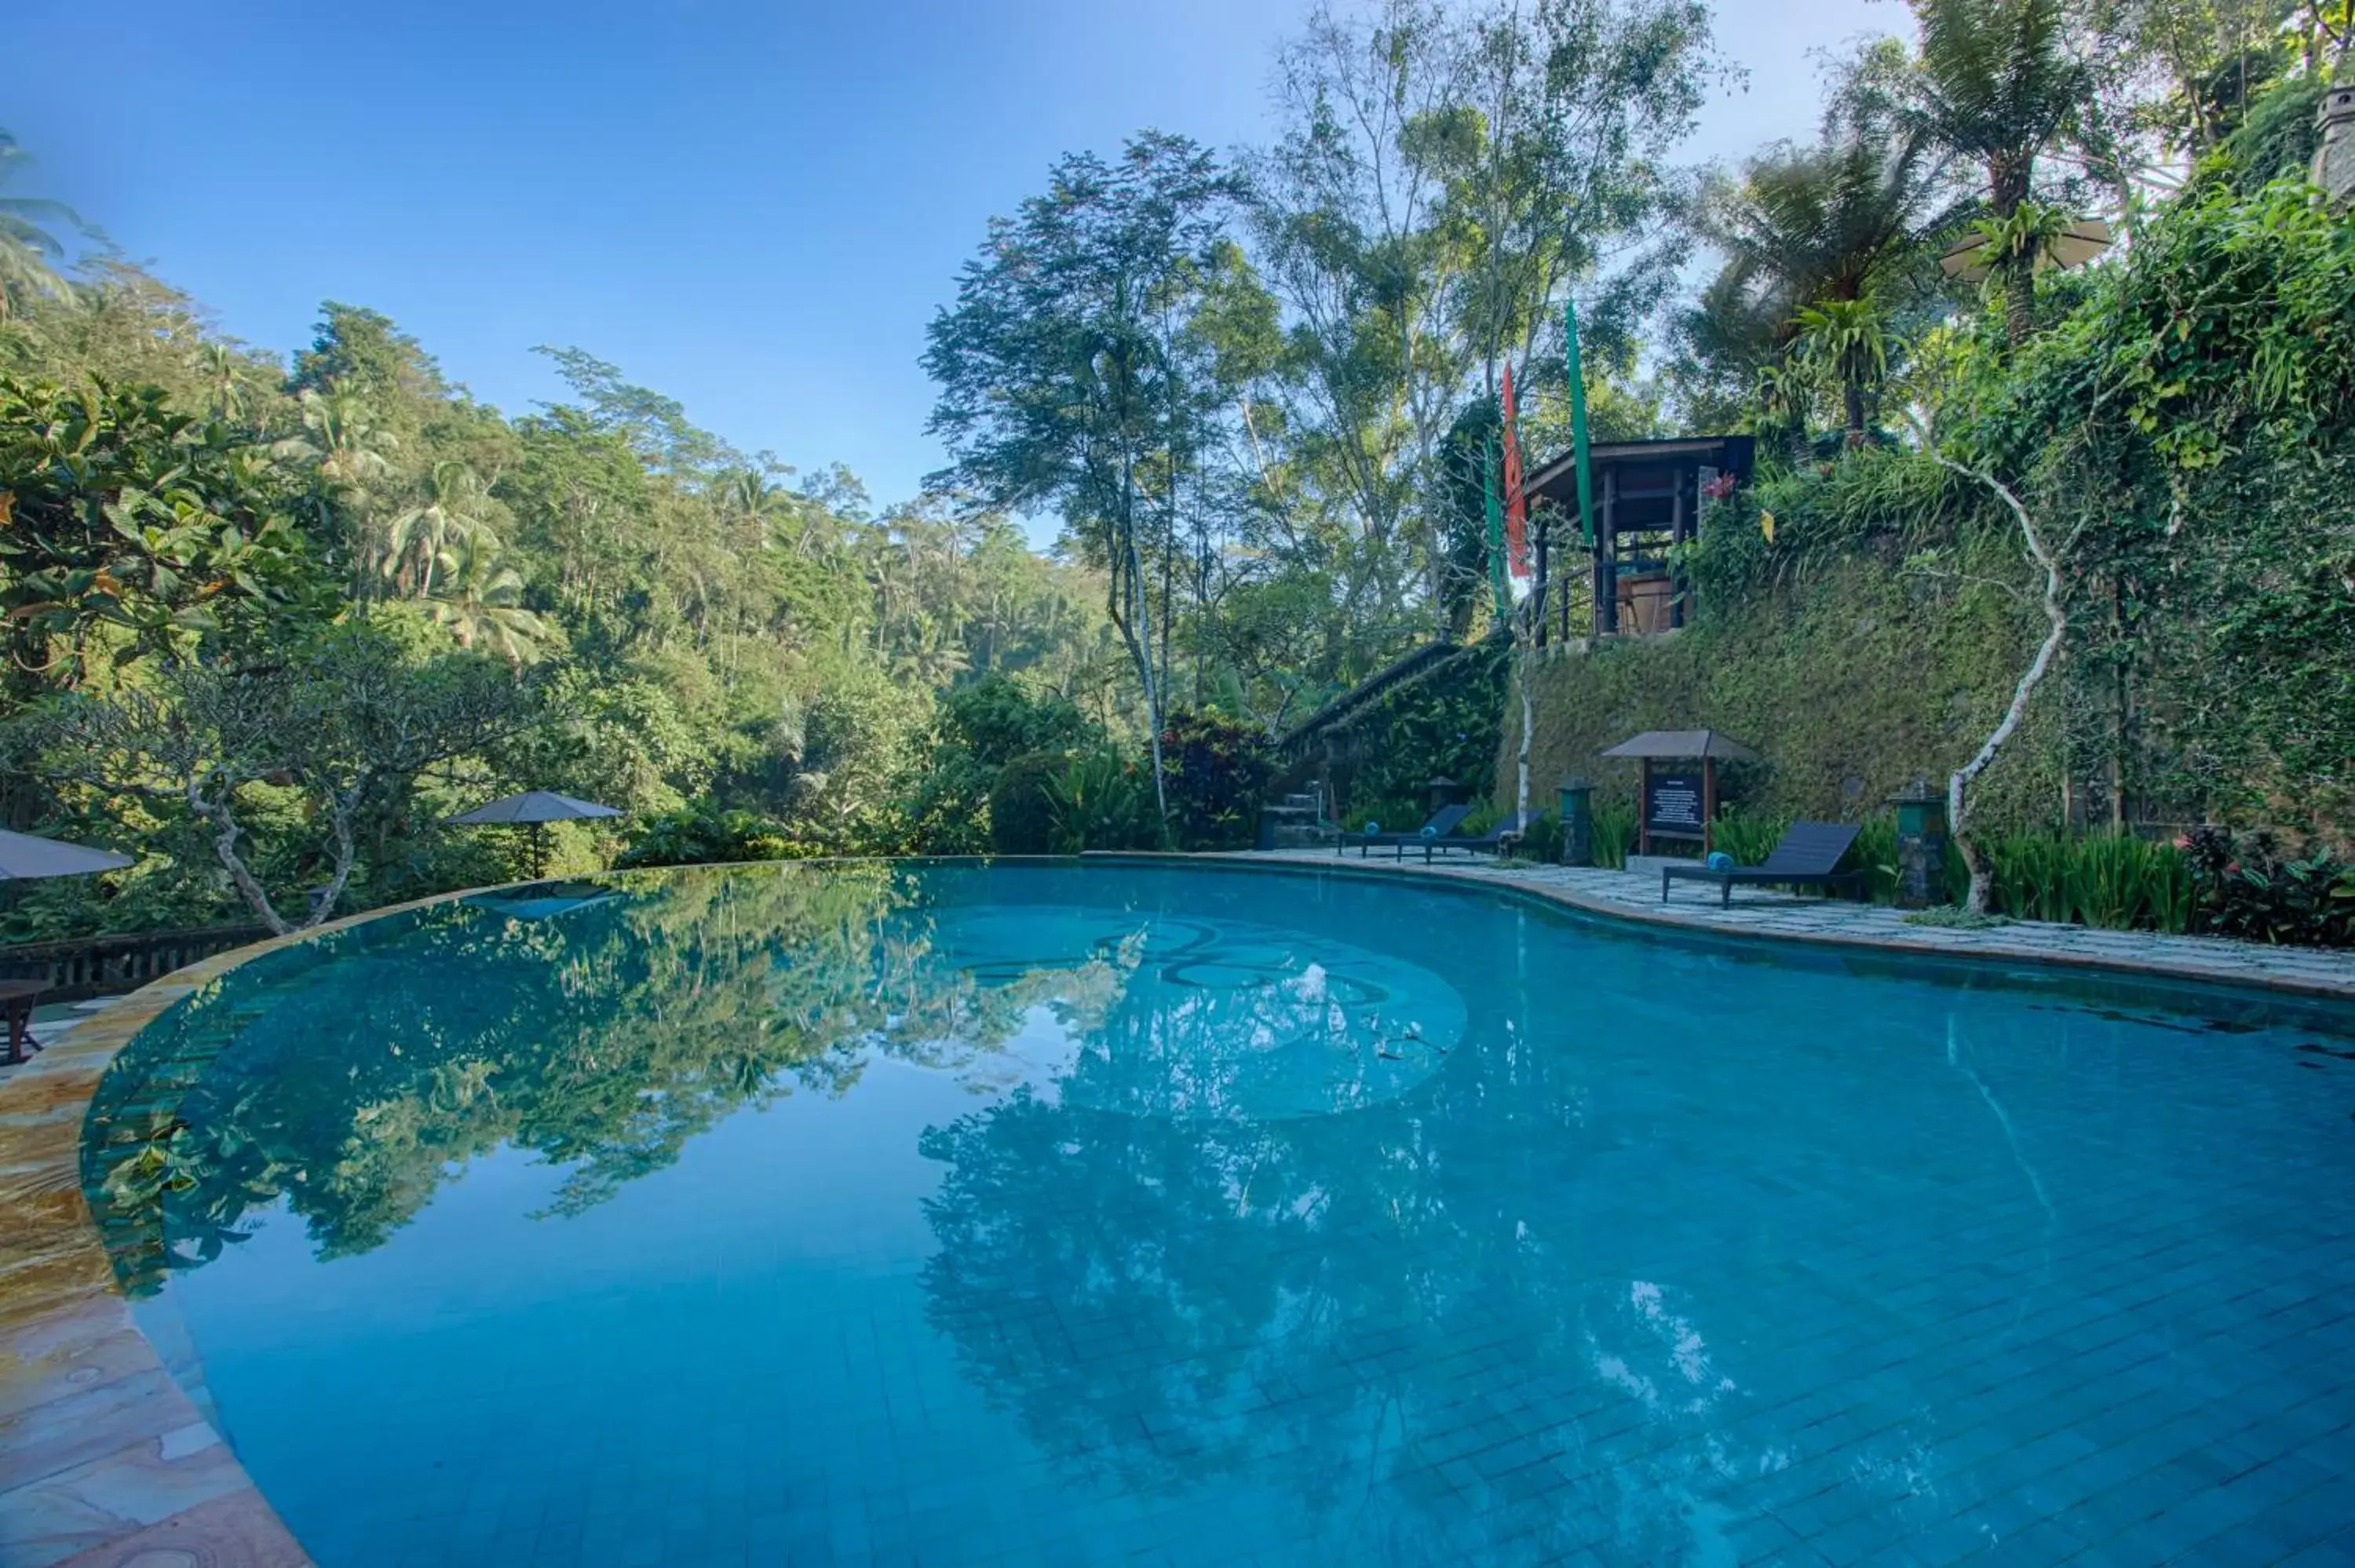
(2056, 614)
(1522, 653)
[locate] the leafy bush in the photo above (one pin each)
(2117, 882)
(1101, 800)
(996, 720)
(980, 728)
(1875, 855)
(1022, 807)
(1614, 834)
(1450, 723)
(700, 834)
(2246, 886)
(1214, 772)
(1544, 840)
(1748, 836)
(1394, 816)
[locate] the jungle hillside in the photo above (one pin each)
(275, 613)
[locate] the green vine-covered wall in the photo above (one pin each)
(2181, 435)
(1849, 682)
(1380, 758)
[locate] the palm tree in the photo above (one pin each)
(481, 600)
(1850, 339)
(342, 447)
(1808, 230)
(224, 376)
(30, 252)
(747, 496)
(1811, 224)
(1999, 85)
(450, 512)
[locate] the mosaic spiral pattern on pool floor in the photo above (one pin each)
(1060, 1214)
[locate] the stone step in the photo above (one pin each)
(1301, 835)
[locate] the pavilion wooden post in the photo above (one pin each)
(1707, 805)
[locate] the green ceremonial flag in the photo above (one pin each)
(1578, 418)
(1497, 536)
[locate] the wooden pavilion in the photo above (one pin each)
(1648, 498)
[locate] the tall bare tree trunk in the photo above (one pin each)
(2056, 614)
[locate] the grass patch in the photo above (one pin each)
(1954, 918)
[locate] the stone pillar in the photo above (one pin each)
(2334, 154)
(1577, 822)
(1921, 846)
(1445, 792)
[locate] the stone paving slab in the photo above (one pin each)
(1760, 912)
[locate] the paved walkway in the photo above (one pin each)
(1758, 912)
(51, 1022)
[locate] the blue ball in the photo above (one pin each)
(1373, 827)
(1719, 861)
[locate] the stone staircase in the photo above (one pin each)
(1298, 823)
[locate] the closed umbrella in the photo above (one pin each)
(534, 809)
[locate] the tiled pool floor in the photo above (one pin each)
(698, 1227)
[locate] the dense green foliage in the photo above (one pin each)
(2167, 435)
(679, 627)
(701, 835)
(1022, 804)
(1258, 393)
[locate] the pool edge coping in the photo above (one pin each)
(94, 1429)
(1988, 947)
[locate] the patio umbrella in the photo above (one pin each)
(23, 856)
(2071, 248)
(534, 808)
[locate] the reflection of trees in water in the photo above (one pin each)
(369, 1067)
(1229, 1022)
(1374, 1312)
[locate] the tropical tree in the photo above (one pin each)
(1057, 382)
(227, 390)
(760, 505)
(1849, 340)
(31, 251)
(133, 529)
(345, 719)
(1345, 214)
(480, 600)
(1808, 225)
(1999, 85)
(450, 513)
(348, 455)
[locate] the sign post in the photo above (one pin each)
(1677, 803)
(1681, 804)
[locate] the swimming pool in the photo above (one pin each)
(1047, 1212)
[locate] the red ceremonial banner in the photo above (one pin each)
(1516, 523)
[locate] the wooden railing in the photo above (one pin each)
(103, 966)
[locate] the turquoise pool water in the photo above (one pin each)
(1049, 1214)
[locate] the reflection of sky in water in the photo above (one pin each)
(1046, 1213)
(1149, 1015)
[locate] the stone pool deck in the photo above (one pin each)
(1760, 913)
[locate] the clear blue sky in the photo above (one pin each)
(754, 209)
